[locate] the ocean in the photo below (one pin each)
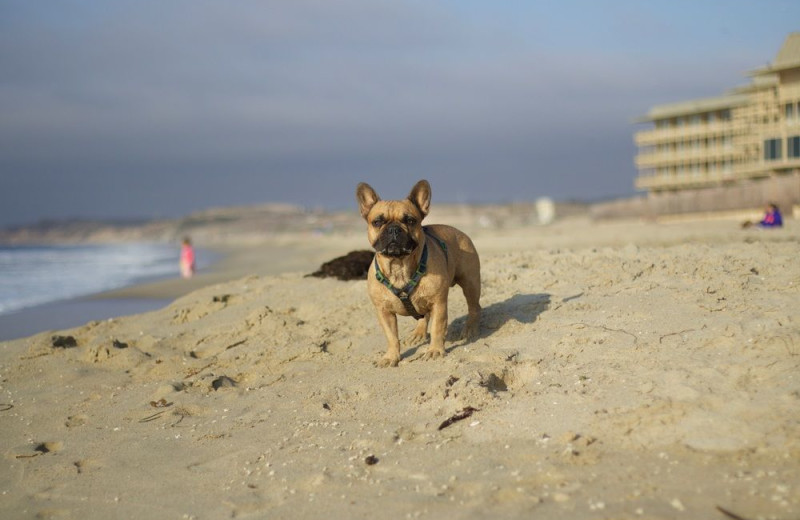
(36, 275)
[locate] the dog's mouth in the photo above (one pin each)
(395, 250)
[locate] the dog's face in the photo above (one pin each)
(394, 227)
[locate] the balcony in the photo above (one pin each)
(701, 155)
(668, 135)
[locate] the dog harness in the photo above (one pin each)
(405, 293)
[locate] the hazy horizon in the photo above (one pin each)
(138, 110)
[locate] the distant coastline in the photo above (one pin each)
(255, 224)
(252, 225)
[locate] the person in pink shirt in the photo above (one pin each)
(187, 258)
(772, 218)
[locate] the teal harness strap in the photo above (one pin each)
(439, 241)
(405, 293)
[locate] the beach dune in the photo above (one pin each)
(623, 370)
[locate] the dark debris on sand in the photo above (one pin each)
(63, 342)
(352, 266)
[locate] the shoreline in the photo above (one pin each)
(71, 313)
(232, 261)
(305, 252)
(113, 303)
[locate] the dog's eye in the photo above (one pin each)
(409, 220)
(378, 222)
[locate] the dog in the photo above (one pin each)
(414, 268)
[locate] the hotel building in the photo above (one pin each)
(750, 134)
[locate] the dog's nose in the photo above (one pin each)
(394, 231)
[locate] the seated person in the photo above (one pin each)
(772, 218)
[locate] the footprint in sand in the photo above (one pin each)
(49, 447)
(39, 449)
(223, 382)
(76, 420)
(86, 465)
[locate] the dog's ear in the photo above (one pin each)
(366, 198)
(421, 196)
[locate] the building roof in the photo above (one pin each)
(788, 56)
(761, 82)
(695, 106)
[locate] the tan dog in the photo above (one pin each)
(415, 267)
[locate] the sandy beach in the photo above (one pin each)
(624, 370)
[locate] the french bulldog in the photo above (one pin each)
(414, 268)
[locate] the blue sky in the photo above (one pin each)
(128, 109)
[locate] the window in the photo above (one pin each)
(793, 147)
(727, 142)
(772, 150)
(792, 113)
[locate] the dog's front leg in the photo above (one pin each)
(388, 321)
(420, 333)
(438, 321)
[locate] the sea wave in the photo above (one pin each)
(35, 275)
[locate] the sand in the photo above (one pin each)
(624, 370)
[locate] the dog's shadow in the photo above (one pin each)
(523, 308)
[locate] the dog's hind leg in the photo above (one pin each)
(472, 292)
(420, 333)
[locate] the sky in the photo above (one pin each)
(154, 109)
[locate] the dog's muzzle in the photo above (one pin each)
(394, 241)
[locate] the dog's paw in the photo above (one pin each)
(470, 333)
(419, 335)
(416, 339)
(432, 353)
(388, 362)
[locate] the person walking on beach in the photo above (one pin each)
(187, 258)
